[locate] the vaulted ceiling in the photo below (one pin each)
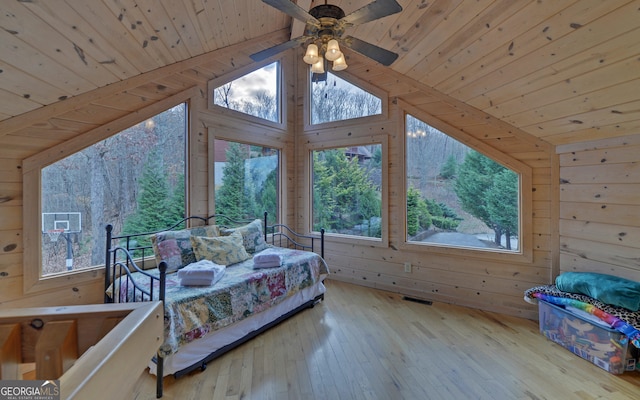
(563, 71)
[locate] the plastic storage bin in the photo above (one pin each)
(601, 345)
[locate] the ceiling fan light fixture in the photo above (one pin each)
(339, 64)
(325, 25)
(333, 50)
(318, 66)
(311, 56)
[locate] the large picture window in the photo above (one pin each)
(246, 180)
(134, 180)
(457, 196)
(347, 190)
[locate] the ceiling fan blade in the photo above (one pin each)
(293, 10)
(384, 57)
(372, 11)
(272, 51)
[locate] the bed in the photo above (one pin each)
(203, 322)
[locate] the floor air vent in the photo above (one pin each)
(415, 300)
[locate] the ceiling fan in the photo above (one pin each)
(325, 26)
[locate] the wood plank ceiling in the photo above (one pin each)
(563, 71)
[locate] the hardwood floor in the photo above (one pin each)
(362, 343)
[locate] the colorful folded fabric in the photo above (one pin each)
(201, 273)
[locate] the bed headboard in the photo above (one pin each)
(127, 253)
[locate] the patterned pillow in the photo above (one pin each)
(224, 250)
(174, 247)
(252, 236)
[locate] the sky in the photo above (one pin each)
(264, 79)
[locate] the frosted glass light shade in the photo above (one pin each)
(340, 64)
(333, 50)
(311, 56)
(318, 66)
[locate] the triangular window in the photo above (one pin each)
(256, 93)
(335, 99)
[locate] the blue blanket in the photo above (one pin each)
(608, 289)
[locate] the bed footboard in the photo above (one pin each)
(119, 262)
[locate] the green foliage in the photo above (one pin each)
(448, 212)
(448, 224)
(418, 216)
(449, 168)
(441, 216)
(247, 190)
(156, 207)
(422, 213)
(376, 157)
(434, 208)
(176, 207)
(267, 198)
(502, 202)
(343, 196)
(152, 200)
(231, 197)
(475, 177)
(489, 191)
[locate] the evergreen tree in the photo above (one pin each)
(449, 168)
(376, 157)
(324, 201)
(177, 202)
(343, 194)
(502, 203)
(230, 197)
(476, 178)
(267, 197)
(152, 201)
(418, 216)
(250, 207)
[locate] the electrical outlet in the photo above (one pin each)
(407, 267)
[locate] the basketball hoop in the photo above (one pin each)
(54, 234)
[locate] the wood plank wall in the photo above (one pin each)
(491, 282)
(600, 207)
(110, 108)
(487, 281)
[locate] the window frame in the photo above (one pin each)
(33, 281)
(231, 135)
(525, 196)
(239, 73)
(361, 84)
(329, 237)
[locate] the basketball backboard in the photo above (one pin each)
(68, 222)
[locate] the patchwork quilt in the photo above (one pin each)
(193, 312)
